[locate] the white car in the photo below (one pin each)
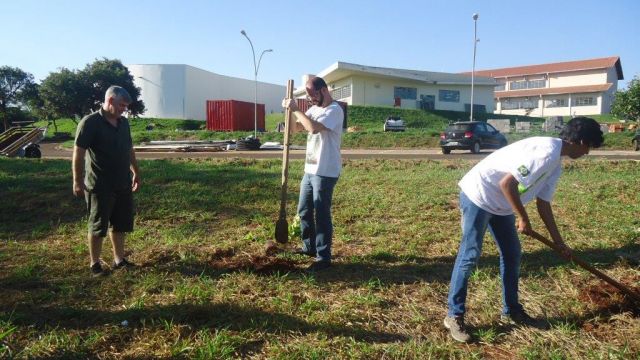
(393, 123)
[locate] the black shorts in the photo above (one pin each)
(109, 210)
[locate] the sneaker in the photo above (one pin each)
(97, 270)
(319, 266)
(523, 319)
(455, 324)
(124, 264)
(300, 251)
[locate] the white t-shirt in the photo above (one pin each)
(534, 162)
(323, 149)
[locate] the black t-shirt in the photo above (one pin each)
(109, 152)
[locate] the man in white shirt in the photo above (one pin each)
(495, 189)
(323, 122)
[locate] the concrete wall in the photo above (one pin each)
(162, 89)
(180, 91)
(568, 110)
(578, 78)
(369, 90)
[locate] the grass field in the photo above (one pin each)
(423, 129)
(205, 289)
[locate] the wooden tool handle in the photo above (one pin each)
(285, 153)
(585, 265)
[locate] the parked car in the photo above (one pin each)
(393, 123)
(471, 135)
(636, 140)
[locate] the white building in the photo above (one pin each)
(584, 87)
(412, 89)
(178, 91)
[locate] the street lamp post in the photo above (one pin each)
(473, 68)
(256, 67)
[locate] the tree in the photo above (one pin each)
(627, 102)
(65, 94)
(16, 87)
(103, 73)
(73, 94)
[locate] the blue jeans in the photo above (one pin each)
(503, 229)
(314, 209)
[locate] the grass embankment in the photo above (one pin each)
(423, 129)
(205, 289)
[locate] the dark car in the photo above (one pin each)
(471, 135)
(636, 140)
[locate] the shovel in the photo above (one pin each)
(583, 264)
(282, 227)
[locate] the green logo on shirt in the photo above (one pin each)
(523, 170)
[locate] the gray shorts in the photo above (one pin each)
(109, 210)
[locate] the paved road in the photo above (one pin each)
(54, 151)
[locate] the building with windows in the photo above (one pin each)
(178, 91)
(411, 89)
(584, 87)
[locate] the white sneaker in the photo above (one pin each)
(456, 328)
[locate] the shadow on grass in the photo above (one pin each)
(37, 197)
(385, 268)
(206, 316)
(398, 269)
(584, 321)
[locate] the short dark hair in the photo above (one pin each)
(583, 130)
(318, 83)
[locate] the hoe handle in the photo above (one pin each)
(285, 154)
(585, 265)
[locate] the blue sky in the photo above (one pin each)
(43, 36)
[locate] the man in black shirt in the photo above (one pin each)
(107, 184)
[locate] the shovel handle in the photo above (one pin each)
(285, 154)
(585, 265)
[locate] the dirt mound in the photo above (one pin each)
(609, 300)
(254, 263)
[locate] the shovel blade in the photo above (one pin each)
(282, 231)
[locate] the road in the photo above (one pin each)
(55, 151)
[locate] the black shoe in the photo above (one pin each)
(98, 271)
(124, 264)
(523, 319)
(319, 266)
(305, 253)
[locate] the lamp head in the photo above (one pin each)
(243, 32)
(475, 16)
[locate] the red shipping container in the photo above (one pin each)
(233, 115)
(304, 105)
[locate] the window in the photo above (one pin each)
(536, 84)
(551, 103)
(477, 108)
(500, 87)
(427, 102)
(449, 95)
(405, 93)
(584, 101)
(527, 84)
(341, 92)
(522, 103)
(510, 105)
(517, 85)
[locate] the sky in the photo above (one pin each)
(42, 36)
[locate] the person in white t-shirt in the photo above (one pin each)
(492, 193)
(323, 122)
